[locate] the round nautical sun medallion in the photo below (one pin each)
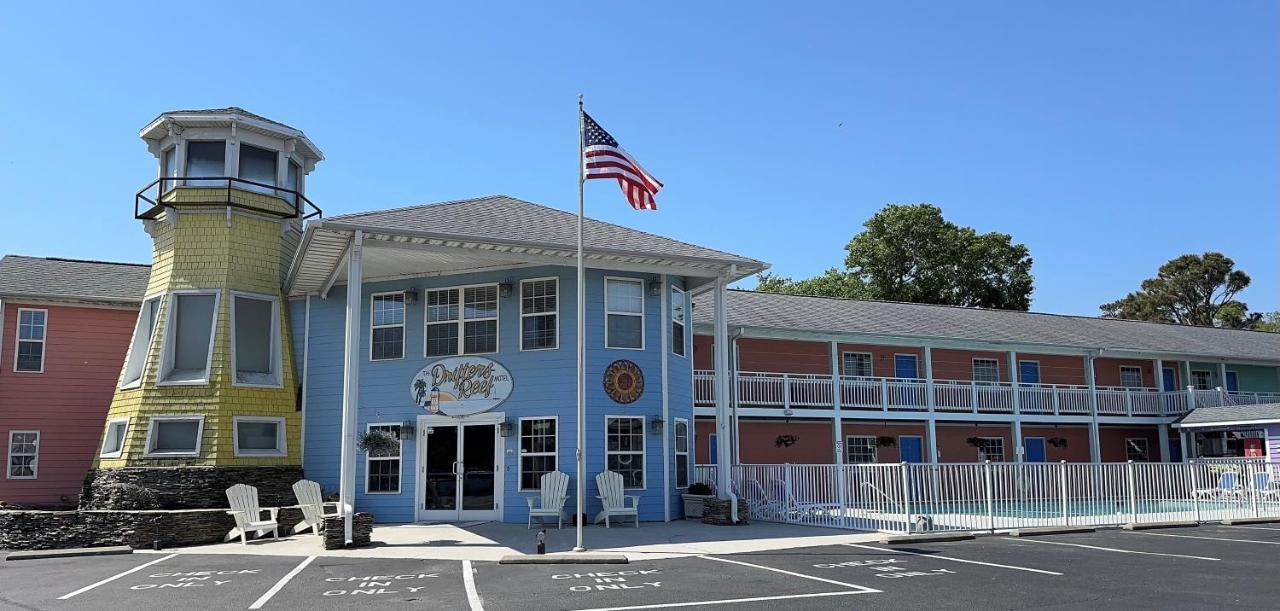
(623, 381)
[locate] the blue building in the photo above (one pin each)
(461, 342)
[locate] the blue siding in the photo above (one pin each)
(543, 386)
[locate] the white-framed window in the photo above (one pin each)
(682, 453)
(113, 438)
(462, 318)
(986, 370)
(382, 470)
(205, 158)
(188, 340)
(174, 436)
(28, 354)
(679, 321)
(1137, 449)
(260, 436)
(386, 326)
(624, 449)
(539, 314)
(538, 446)
(861, 449)
(258, 165)
(857, 364)
(255, 340)
(24, 455)
(624, 313)
(140, 346)
(991, 448)
(1130, 377)
(1202, 379)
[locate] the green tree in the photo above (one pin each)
(1190, 290)
(1270, 322)
(909, 252)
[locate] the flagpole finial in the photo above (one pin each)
(579, 100)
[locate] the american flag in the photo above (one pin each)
(603, 158)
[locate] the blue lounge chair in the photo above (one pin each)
(1228, 487)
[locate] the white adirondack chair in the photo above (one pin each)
(550, 501)
(244, 508)
(615, 502)
(312, 503)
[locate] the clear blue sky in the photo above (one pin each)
(1107, 136)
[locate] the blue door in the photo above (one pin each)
(905, 366)
(712, 447)
(1029, 372)
(911, 448)
(1170, 379)
(1035, 449)
(1233, 382)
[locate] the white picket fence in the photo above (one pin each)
(922, 497)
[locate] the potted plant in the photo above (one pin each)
(694, 497)
(378, 442)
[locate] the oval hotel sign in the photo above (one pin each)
(461, 386)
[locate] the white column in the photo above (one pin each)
(735, 365)
(668, 427)
(1164, 442)
(837, 419)
(1159, 375)
(1222, 375)
(724, 449)
(931, 401)
(1095, 443)
(1015, 380)
(351, 381)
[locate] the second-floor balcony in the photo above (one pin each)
(816, 391)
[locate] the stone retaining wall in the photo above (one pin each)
(335, 535)
(20, 530)
(192, 487)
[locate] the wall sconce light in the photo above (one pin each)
(410, 296)
(504, 288)
(655, 288)
(655, 426)
(406, 429)
(505, 429)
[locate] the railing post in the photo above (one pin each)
(1222, 396)
(906, 497)
(1133, 494)
(1062, 465)
(973, 395)
(786, 391)
(1253, 487)
(1128, 401)
(1191, 398)
(786, 481)
(884, 394)
(991, 506)
(1053, 390)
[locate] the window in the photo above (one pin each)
(387, 336)
(861, 449)
(291, 181)
(136, 360)
(537, 451)
(24, 454)
(476, 322)
(382, 470)
(678, 321)
(113, 440)
(682, 453)
(206, 159)
(991, 448)
(169, 167)
(1131, 377)
(1202, 380)
(1137, 449)
(29, 354)
(189, 340)
(857, 364)
(624, 449)
(539, 320)
(255, 348)
(259, 436)
(624, 313)
(257, 165)
(174, 436)
(986, 370)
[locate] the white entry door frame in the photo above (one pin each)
(456, 482)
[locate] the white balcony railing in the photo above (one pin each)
(814, 391)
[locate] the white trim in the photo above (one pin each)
(399, 457)
(102, 453)
(133, 341)
(1192, 381)
(973, 369)
(167, 349)
(666, 326)
(302, 400)
(520, 309)
(35, 457)
(555, 453)
(1018, 374)
(979, 451)
(644, 296)
(462, 320)
(875, 449)
(282, 440)
(687, 453)
(686, 333)
(644, 446)
(895, 365)
(43, 341)
(277, 359)
(403, 324)
(151, 430)
(1202, 425)
(1122, 369)
(871, 362)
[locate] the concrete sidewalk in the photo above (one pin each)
(490, 541)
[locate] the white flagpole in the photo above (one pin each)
(582, 349)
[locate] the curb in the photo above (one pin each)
(1156, 525)
(925, 538)
(570, 558)
(1050, 530)
(1236, 521)
(36, 554)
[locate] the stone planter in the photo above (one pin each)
(361, 530)
(693, 504)
(716, 511)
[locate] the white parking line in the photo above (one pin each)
(786, 572)
(1113, 549)
(469, 580)
(1206, 538)
(730, 601)
(262, 600)
(999, 566)
(115, 577)
(1251, 527)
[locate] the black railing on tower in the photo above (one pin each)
(300, 206)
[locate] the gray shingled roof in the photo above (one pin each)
(54, 278)
(499, 217)
(830, 315)
(230, 110)
(1210, 416)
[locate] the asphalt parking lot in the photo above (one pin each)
(1209, 566)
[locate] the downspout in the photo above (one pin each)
(666, 416)
(302, 400)
(733, 393)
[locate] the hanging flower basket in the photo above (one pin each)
(378, 443)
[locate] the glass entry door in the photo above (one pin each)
(460, 473)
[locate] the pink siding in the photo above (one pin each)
(1112, 440)
(84, 350)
